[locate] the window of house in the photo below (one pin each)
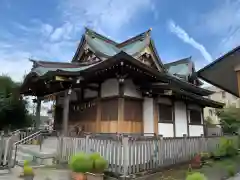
(223, 95)
(210, 112)
(195, 116)
(165, 113)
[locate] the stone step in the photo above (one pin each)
(37, 157)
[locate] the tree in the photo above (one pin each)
(13, 109)
(209, 122)
(230, 119)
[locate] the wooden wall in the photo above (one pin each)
(108, 120)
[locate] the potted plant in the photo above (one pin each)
(99, 165)
(79, 165)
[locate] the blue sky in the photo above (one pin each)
(51, 30)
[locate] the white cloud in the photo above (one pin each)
(15, 64)
(223, 22)
(184, 36)
(46, 29)
(104, 16)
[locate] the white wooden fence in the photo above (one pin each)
(131, 155)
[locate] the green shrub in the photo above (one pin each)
(28, 171)
(26, 163)
(226, 148)
(94, 156)
(81, 162)
(196, 176)
(205, 155)
(231, 170)
(231, 149)
(100, 164)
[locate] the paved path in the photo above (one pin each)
(40, 174)
(237, 177)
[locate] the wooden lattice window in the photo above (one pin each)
(195, 117)
(165, 113)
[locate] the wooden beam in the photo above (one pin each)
(38, 115)
(155, 115)
(120, 105)
(238, 81)
(99, 110)
(66, 111)
(188, 133)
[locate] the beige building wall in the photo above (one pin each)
(220, 96)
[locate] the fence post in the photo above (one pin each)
(203, 149)
(87, 144)
(60, 149)
(125, 144)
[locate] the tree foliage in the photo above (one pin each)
(230, 119)
(209, 122)
(13, 109)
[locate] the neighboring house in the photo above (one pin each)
(220, 96)
(123, 87)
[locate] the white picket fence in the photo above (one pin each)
(131, 155)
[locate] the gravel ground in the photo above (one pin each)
(40, 174)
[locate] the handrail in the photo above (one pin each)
(27, 138)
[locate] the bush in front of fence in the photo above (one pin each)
(99, 163)
(196, 176)
(84, 165)
(227, 147)
(81, 163)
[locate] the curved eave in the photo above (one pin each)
(199, 99)
(188, 86)
(221, 73)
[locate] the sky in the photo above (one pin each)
(51, 30)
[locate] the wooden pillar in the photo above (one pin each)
(120, 104)
(99, 110)
(66, 111)
(38, 113)
(155, 116)
(187, 116)
(238, 81)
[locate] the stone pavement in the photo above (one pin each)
(40, 174)
(237, 177)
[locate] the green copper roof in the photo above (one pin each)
(181, 69)
(106, 48)
(136, 46)
(40, 71)
(98, 45)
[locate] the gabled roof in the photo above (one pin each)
(221, 72)
(183, 68)
(103, 47)
(179, 67)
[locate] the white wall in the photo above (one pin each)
(180, 118)
(130, 89)
(109, 88)
(148, 117)
(196, 130)
(165, 129)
